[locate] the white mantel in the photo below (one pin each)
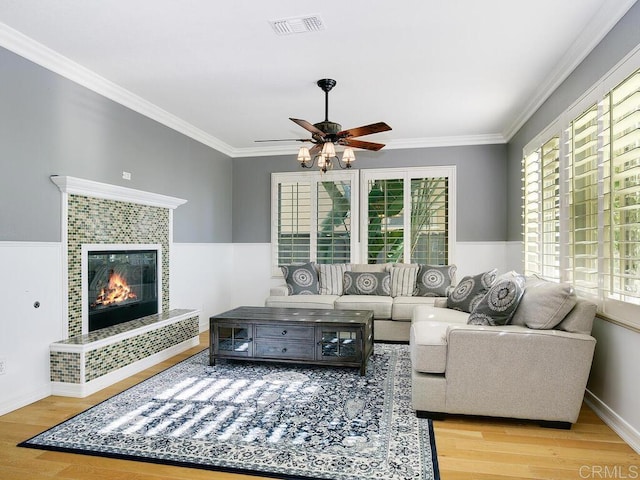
(90, 188)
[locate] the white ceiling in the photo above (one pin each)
(438, 72)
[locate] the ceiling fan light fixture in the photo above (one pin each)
(348, 156)
(328, 150)
(303, 155)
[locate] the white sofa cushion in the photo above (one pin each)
(428, 337)
(423, 313)
(403, 306)
(380, 305)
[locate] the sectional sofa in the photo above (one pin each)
(390, 290)
(535, 366)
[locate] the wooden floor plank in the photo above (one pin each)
(468, 448)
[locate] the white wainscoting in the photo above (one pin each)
(31, 272)
(475, 257)
(202, 278)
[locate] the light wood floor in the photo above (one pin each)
(469, 449)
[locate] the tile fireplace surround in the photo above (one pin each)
(98, 213)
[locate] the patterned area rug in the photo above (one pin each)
(283, 421)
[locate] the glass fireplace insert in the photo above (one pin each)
(122, 285)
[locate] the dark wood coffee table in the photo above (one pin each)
(293, 335)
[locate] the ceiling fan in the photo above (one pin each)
(326, 134)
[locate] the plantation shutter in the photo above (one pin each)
(429, 221)
(583, 234)
(385, 240)
(541, 184)
(294, 222)
(625, 190)
(334, 221)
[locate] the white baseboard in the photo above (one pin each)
(16, 403)
(629, 434)
(81, 390)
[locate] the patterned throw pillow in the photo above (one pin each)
(331, 278)
(470, 291)
(403, 281)
(301, 279)
(367, 283)
(435, 280)
(500, 303)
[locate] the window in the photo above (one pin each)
(582, 158)
(624, 196)
(586, 177)
(312, 217)
(408, 215)
(542, 210)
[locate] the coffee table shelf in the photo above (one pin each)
(294, 335)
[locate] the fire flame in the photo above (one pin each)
(116, 291)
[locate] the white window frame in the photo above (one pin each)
(313, 177)
(623, 313)
(407, 174)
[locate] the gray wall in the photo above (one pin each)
(623, 38)
(481, 177)
(50, 125)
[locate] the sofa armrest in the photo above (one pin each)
(279, 291)
(503, 371)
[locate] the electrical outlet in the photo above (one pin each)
(3, 365)
(126, 175)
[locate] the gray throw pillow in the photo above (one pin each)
(544, 304)
(499, 304)
(301, 279)
(466, 295)
(367, 283)
(435, 280)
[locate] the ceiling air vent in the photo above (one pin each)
(288, 26)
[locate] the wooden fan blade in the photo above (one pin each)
(349, 142)
(365, 130)
(315, 149)
(308, 126)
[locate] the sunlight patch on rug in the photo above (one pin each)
(264, 419)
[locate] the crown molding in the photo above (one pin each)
(34, 51)
(90, 188)
(453, 141)
(593, 33)
(398, 144)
